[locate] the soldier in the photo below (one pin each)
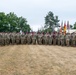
(39, 38)
(59, 36)
(22, 37)
(62, 39)
(67, 38)
(73, 38)
(33, 38)
(50, 39)
(17, 38)
(0, 38)
(25, 39)
(29, 39)
(3, 39)
(46, 38)
(12, 38)
(7, 39)
(54, 38)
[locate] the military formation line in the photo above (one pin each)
(38, 38)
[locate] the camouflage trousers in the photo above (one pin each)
(50, 41)
(39, 41)
(29, 41)
(22, 41)
(0, 42)
(3, 42)
(67, 42)
(25, 41)
(73, 42)
(12, 41)
(33, 41)
(45, 41)
(59, 42)
(17, 41)
(62, 42)
(54, 41)
(7, 41)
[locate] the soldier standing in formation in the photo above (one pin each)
(58, 39)
(67, 38)
(29, 39)
(50, 39)
(73, 39)
(1, 38)
(62, 39)
(54, 38)
(40, 38)
(34, 38)
(22, 39)
(45, 39)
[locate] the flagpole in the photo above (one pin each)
(68, 26)
(65, 28)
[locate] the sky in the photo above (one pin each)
(35, 10)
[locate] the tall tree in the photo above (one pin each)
(12, 20)
(23, 25)
(75, 25)
(12, 23)
(3, 22)
(50, 20)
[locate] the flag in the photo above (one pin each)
(68, 26)
(61, 27)
(64, 27)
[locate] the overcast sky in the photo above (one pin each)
(35, 10)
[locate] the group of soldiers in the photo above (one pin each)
(38, 38)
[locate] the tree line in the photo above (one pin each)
(52, 21)
(12, 23)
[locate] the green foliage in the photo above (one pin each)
(71, 26)
(50, 20)
(75, 25)
(11, 23)
(23, 25)
(3, 22)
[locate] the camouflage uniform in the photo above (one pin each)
(67, 38)
(54, 39)
(7, 39)
(29, 39)
(59, 36)
(33, 39)
(25, 39)
(39, 39)
(73, 39)
(12, 38)
(62, 40)
(1, 39)
(50, 40)
(44, 39)
(17, 38)
(22, 37)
